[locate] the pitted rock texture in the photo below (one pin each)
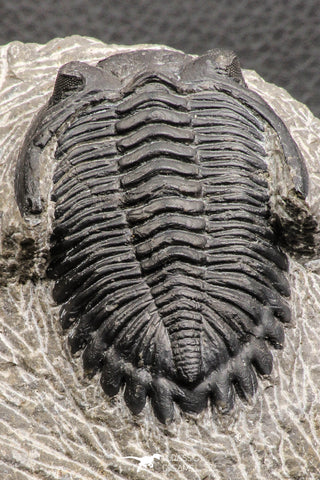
(56, 425)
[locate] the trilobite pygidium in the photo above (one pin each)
(168, 220)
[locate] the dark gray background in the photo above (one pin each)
(278, 39)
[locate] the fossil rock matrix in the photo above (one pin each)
(57, 423)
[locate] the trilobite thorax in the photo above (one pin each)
(164, 255)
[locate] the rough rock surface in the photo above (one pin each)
(56, 424)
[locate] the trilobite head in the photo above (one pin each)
(129, 64)
(164, 251)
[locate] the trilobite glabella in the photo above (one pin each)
(169, 222)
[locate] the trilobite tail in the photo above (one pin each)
(184, 328)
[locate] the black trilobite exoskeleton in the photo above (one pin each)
(166, 244)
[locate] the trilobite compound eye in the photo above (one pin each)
(212, 65)
(234, 70)
(65, 85)
(226, 63)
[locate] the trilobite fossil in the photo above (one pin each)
(170, 219)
